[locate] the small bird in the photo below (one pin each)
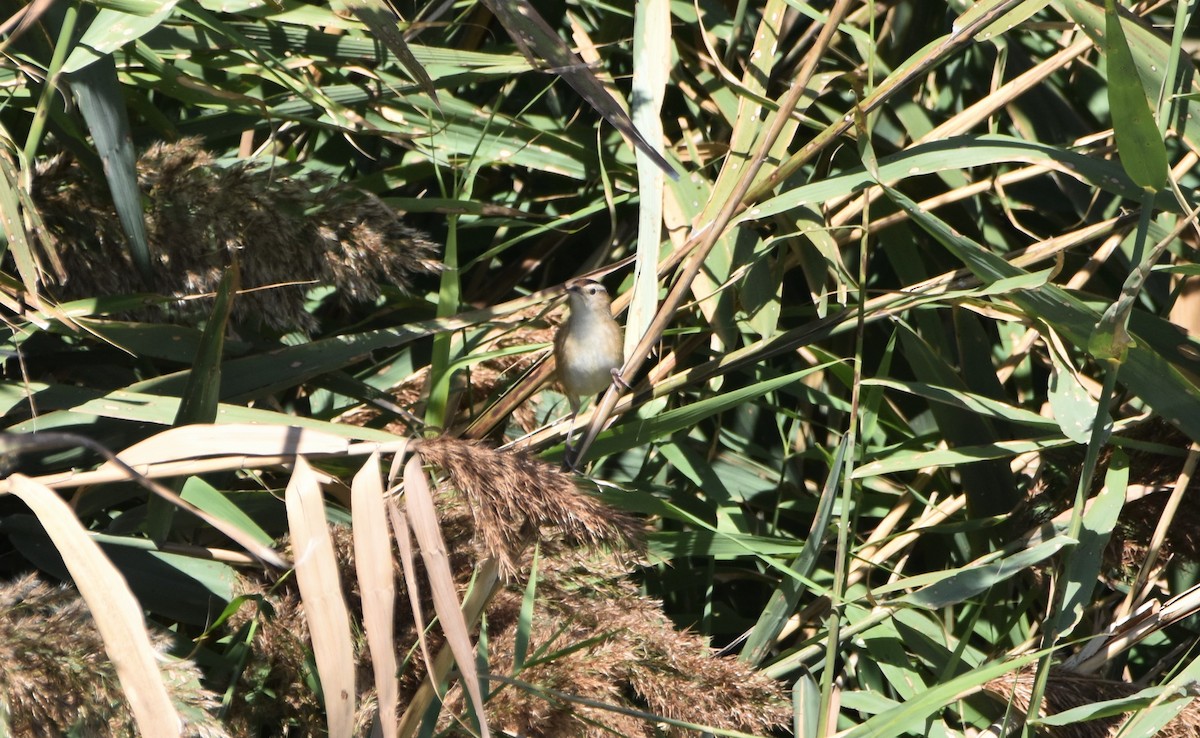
(588, 346)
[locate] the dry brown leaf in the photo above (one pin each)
(377, 586)
(321, 590)
(235, 439)
(116, 611)
(115, 469)
(427, 529)
(403, 535)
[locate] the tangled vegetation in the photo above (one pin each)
(910, 306)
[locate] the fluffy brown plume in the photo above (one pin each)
(514, 499)
(594, 635)
(56, 679)
(282, 227)
(602, 641)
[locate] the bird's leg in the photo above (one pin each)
(570, 432)
(569, 460)
(569, 450)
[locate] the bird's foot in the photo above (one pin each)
(620, 381)
(570, 459)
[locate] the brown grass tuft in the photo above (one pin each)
(512, 497)
(272, 691)
(601, 640)
(56, 680)
(595, 637)
(282, 226)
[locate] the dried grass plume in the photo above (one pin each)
(56, 679)
(512, 497)
(595, 637)
(282, 226)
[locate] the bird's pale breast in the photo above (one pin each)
(595, 351)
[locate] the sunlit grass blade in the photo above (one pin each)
(212, 501)
(203, 390)
(1083, 567)
(652, 61)
(633, 434)
(944, 588)
(958, 153)
(783, 600)
(111, 29)
(1151, 57)
(12, 222)
(427, 530)
(382, 22)
(1143, 152)
(910, 715)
